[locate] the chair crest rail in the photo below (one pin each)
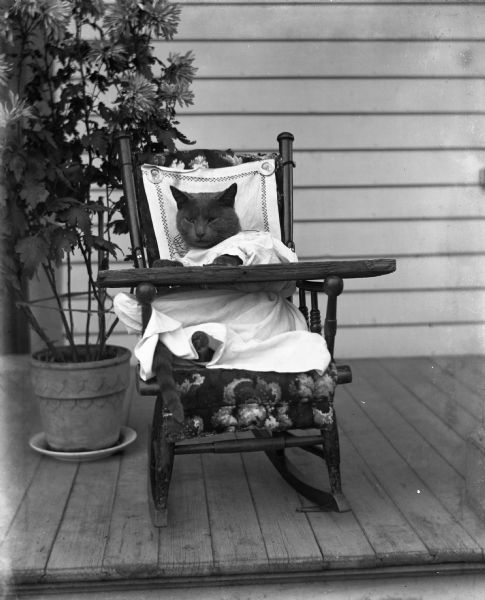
(213, 275)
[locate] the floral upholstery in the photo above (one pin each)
(227, 400)
(210, 159)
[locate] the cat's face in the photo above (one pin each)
(206, 219)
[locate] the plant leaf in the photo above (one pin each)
(34, 194)
(77, 216)
(32, 251)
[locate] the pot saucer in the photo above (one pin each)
(39, 444)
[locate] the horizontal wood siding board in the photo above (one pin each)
(423, 340)
(342, 131)
(324, 21)
(380, 169)
(416, 307)
(402, 238)
(320, 59)
(323, 96)
(384, 203)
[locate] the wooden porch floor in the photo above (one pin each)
(403, 425)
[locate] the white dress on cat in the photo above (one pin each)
(254, 330)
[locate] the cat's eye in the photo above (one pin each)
(211, 219)
(189, 220)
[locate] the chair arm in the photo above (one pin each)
(213, 275)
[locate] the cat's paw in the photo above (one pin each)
(227, 260)
(200, 341)
(164, 262)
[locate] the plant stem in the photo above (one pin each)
(51, 278)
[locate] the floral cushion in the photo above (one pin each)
(227, 400)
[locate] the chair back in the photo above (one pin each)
(143, 238)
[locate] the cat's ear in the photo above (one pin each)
(179, 197)
(228, 196)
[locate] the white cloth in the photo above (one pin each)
(256, 201)
(253, 330)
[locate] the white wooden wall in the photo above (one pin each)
(387, 104)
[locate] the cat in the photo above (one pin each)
(203, 220)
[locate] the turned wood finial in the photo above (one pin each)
(333, 285)
(285, 135)
(145, 293)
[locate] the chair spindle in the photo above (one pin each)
(332, 286)
(315, 319)
(303, 308)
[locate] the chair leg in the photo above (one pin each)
(331, 451)
(161, 457)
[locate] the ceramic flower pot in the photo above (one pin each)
(81, 403)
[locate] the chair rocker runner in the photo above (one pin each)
(276, 407)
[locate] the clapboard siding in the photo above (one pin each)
(275, 59)
(386, 102)
(324, 20)
(339, 131)
(355, 96)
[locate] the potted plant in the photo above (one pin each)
(79, 73)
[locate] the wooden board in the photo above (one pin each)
(468, 399)
(322, 96)
(391, 536)
(19, 416)
(443, 405)
(402, 307)
(236, 533)
(338, 132)
(390, 239)
(383, 203)
(325, 20)
(240, 59)
(288, 537)
(437, 529)
(233, 517)
(81, 539)
(30, 540)
(417, 441)
(132, 545)
(185, 545)
(410, 340)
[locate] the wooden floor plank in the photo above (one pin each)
(238, 542)
(443, 405)
(445, 482)
(31, 537)
(470, 372)
(79, 546)
(438, 530)
(389, 533)
(232, 515)
(341, 540)
(132, 545)
(19, 420)
(333, 531)
(437, 433)
(185, 544)
(288, 536)
(467, 399)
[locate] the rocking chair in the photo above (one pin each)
(216, 400)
